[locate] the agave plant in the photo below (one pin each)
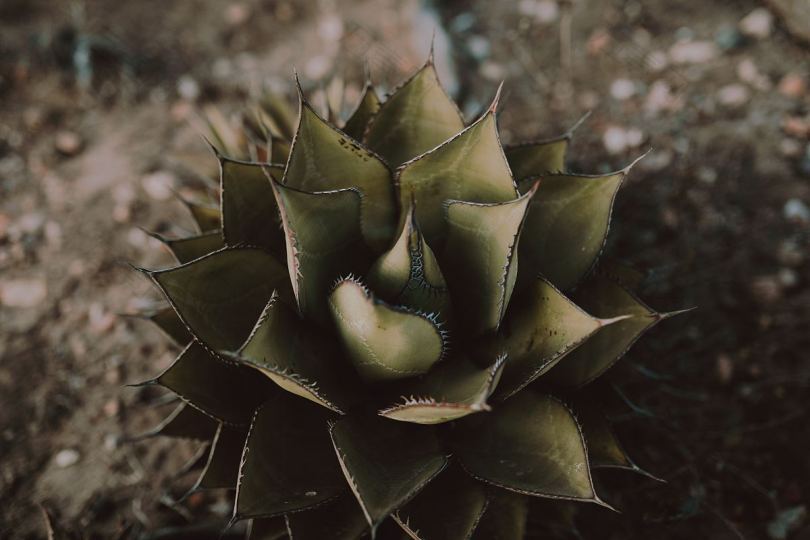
(374, 327)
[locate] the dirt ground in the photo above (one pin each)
(95, 102)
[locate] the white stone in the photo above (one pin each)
(796, 210)
(693, 52)
(66, 458)
(23, 293)
(733, 95)
(188, 88)
(615, 140)
(757, 24)
(622, 89)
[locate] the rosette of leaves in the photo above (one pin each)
(378, 321)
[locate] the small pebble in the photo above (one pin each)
(733, 95)
(793, 85)
(23, 293)
(598, 42)
(622, 89)
(68, 143)
(728, 37)
(757, 24)
(788, 277)
(188, 88)
(693, 52)
(796, 126)
(66, 458)
(237, 13)
(797, 211)
(766, 289)
(725, 368)
(656, 61)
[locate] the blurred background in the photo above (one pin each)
(97, 105)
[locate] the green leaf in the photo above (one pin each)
(267, 529)
(505, 517)
(382, 341)
(386, 463)
(184, 422)
(408, 273)
(455, 388)
(417, 116)
(299, 358)
(278, 115)
(480, 258)
(341, 519)
(249, 212)
(324, 158)
(603, 297)
(604, 449)
(541, 327)
(279, 150)
(469, 167)
(323, 243)
(567, 226)
(226, 391)
(358, 121)
(220, 296)
(207, 217)
(169, 323)
(449, 508)
(530, 444)
(533, 159)
(192, 247)
(288, 463)
(221, 470)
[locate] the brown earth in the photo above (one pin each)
(90, 151)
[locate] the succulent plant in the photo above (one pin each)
(374, 327)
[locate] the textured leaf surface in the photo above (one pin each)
(383, 341)
(530, 444)
(323, 158)
(268, 529)
(249, 212)
(418, 116)
(299, 358)
(541, 327)
(222, 467)
(170, 324)
(449, 508)
(603, 297)
(341, 519)
(469, 167)
(386, 463)
(567, 225)
(207, 217)
(505, 517)
(537, 158)
(358, 121)
(220, 296)
(455, 388)
(184, 422)
(408, 274)
(480, 258)
(288, 463)
(192, 247)
(323, 243)
(226, 391)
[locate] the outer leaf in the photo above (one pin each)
(604, 449)
(323, 243)
(221, 470)
(530, 444)
(418, 116)
(480, 258)
(169, 323)
(449, 508)
(223, 390)
(184, 422)
(191, 247)
(541, 327)
(267, 529)
(408, 273)
(537, 158)
(505, 517)
(324, 158)
(298, 358)
(206, 217)
(280, 150)
(568, 218)
(469, 167)
(339, 520)
(386, 463)
(362, 115)
(603, 297)
(453, 389)
(287, 464)
(382, 341)
(249, 212)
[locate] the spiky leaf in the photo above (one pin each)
(222, 466)
(480, 258)
(298, 358)
(207, 217)
(453, 389)
(386, 463)
(323, 158)
(184, 422)
(449, 508)
(533, 159)
(530, 444)
(267, 529)
(505, 517)
(418, 116)
(192, 247)
(170, 324)
(341, 519)
(217, 304)
(366, 109)
(288, 464)
(384, 341)
(469, 167)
